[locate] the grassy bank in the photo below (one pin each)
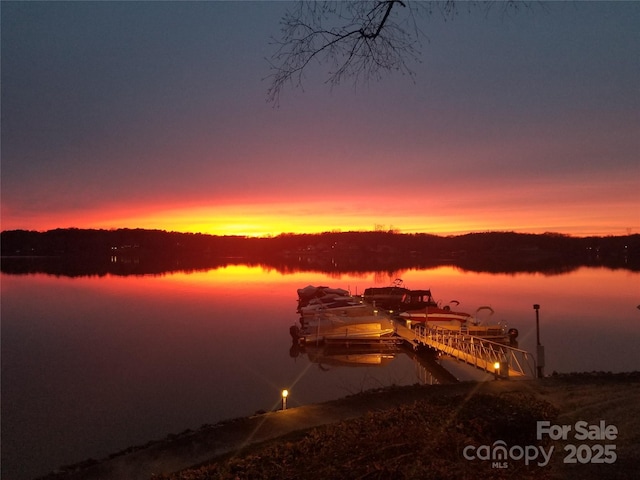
(416, 432)
(425, 438)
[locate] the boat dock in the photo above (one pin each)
(499, 359)
(332, 315)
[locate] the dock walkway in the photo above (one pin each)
(487, 355)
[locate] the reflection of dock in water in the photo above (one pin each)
(357, 355)
(331, 355)
(428, 370)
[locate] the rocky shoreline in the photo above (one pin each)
(330, 435)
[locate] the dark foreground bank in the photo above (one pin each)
(469, 430)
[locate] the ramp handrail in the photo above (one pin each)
(477, 351)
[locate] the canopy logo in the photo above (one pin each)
(500, 454)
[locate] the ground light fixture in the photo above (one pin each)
(285, 394)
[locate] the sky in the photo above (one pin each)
(155, 115)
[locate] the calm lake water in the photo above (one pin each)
(93, 365)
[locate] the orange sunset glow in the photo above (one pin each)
(610, 216)
(500, 130)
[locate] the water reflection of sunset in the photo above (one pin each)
(186, 334)
(230, 274)
(590, 290)
(445, 281)
(246, 274)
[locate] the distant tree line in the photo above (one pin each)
(126, 251)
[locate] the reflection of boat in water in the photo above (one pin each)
(329, 356)
(352, 356)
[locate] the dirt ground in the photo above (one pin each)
(411, 432)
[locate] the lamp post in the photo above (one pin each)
(285, 394)
(540, 348)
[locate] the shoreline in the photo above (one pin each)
(590, 397)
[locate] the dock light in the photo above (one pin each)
(496, 370)
(501, 369)
(285, 394)
(540, 348)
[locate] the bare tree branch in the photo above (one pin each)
(362, 39)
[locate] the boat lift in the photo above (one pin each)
(501, 360)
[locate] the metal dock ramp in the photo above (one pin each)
(479, 352)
